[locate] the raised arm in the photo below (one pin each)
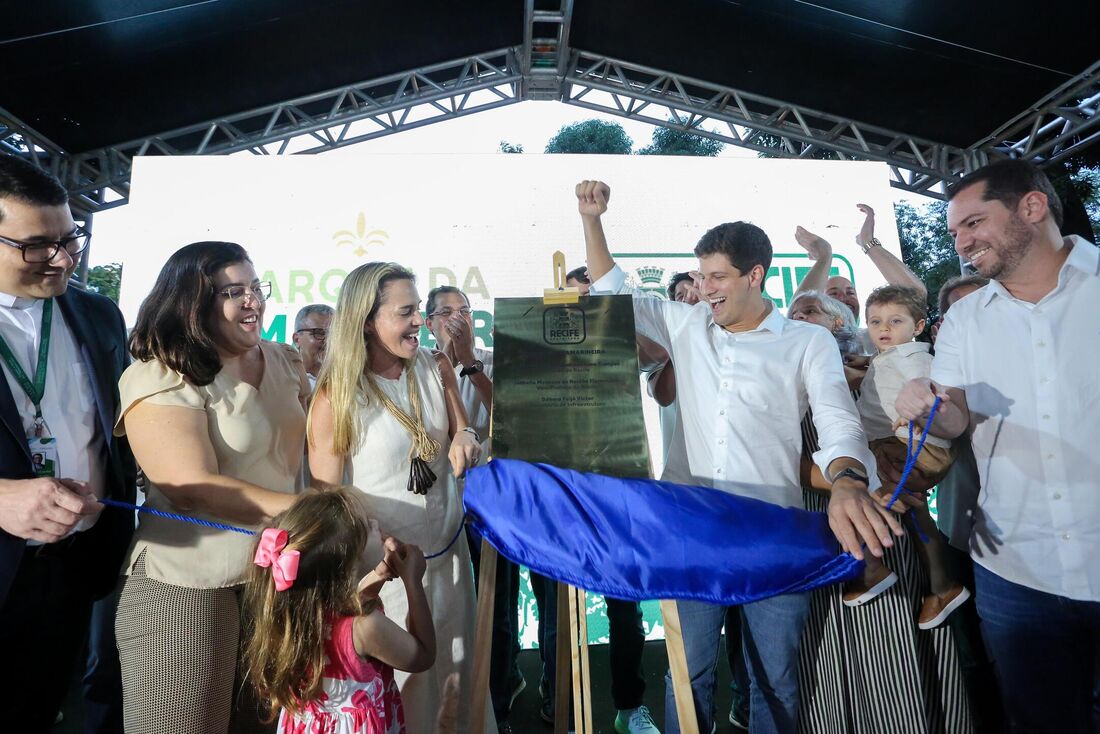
(821, 253)
(462, 339)
(465, 449)
(376, 636)
(892, 268)
(592, 198)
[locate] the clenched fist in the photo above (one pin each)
(592, 198)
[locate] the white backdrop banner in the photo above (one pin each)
(487, 224)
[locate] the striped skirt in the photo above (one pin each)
(870, 669)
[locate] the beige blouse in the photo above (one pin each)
(258, 437)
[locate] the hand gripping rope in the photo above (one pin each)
(911, 461)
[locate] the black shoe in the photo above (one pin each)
(504, 727)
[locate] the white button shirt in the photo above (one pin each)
(477, 412)
(68, 406)
(1031, 374)
(742, 396)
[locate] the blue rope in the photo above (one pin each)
(446, 548)
(911, 455)
(174, 516)
(234, 528)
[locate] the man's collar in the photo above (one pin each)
(1083, 256)
(9, 301)
(773, 322)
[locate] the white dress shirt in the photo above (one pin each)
(888, 373)
(68, 406)
(1032, 383)
(742, 396)
(477, 412)
(674, 447)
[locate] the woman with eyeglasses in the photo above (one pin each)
(216, 419)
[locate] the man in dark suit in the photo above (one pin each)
(62, 351)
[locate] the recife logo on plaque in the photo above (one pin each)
(563, 325)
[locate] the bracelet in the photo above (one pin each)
(473, 432)
(873, 242)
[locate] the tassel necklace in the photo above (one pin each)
(425, 449)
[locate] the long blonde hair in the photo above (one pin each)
(345, 373)
(285, 631)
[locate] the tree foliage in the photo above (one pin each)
(773, 141)
(927, 247)
(672, 141)
(106, 280)
(506, 147)
(591, 136)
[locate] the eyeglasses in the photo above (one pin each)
(260, 291)
(318, 334)
(445, 313)
(44, 252)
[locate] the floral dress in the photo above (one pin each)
(359, 695)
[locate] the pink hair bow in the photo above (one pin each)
(284, 564)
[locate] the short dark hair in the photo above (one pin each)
(171, 323)
(952, 285)
(429, 306)
(1008, 181)
(677, 279)
(23, 181)
(746, 245)
(578, 274)
(910, 298)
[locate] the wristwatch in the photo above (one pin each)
(873, 242)
(473, 369)
(851, 473)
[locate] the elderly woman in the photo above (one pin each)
(870, 668)
(216, 420)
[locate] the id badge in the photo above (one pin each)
(43, 455)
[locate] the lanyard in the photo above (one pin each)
(37, 390)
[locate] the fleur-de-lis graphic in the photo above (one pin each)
(360, 239)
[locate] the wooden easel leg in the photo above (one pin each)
(585, 705)
(563, 678)
(677, 666)
(483, 648)
(576, 666)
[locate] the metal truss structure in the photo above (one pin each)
(311, 124)
(546, 68)
(758, 123)
(1057, 127)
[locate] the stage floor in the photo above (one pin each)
(525, 714)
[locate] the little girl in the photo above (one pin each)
(319, 647)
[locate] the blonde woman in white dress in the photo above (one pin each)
(388, 420)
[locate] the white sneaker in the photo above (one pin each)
(635, 721)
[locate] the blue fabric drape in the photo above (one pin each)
(640, 539)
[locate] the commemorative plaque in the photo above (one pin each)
(565, 385)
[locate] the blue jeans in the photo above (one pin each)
(1044, 650)
(771, 633)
